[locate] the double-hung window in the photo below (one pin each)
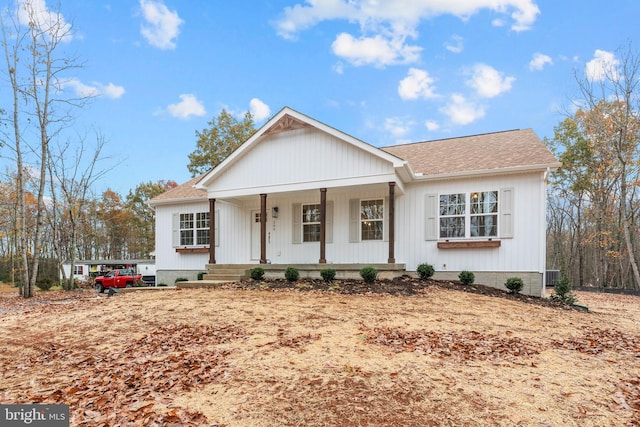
(194, 229)
(483, 220)
(202, 228)
(371, 219)
(464, 215)
(452, 215)
(310, 223)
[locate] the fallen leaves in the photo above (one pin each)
(134, 384)
(470, 345)
(597, 340)
(250, 357)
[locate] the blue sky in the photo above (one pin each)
(386, 72)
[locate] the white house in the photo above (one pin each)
(299, 192)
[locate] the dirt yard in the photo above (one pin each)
(261, 354)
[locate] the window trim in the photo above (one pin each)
(305, 223)
(380, 220)
(467, 216)
(196, 222)
(297, 231)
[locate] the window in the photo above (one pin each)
(484, 214)
(310, 223)
(202, 228)
(469, 215)
(371, 219)
(452, 215)
(194, 229)
(78, 270)
(306, 222)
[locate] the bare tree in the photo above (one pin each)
(37, 69)
(73, 171)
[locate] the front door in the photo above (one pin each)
(255, 235)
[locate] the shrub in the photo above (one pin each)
(201, 275)
(44, 284)
(256, 273)
(369, 274)
(514, 284)
(291, 274)
(425, 271)
(181, 279)
(466, 277)
(562, 292)
(328, 274)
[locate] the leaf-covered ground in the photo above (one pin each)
(273, 353)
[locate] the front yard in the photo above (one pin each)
(257, 356)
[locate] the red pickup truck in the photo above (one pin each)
(119, 278)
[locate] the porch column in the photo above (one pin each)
(263, 229)
(392, 222)
(323, 224)
(212, 231)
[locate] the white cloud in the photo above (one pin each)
(80, 89)
(432, 125)
(489, 82)
(83, 90)
(113, 91)
(402, 16)
(161, 25)
(538, 61)
(455, 45)
(378, 50)
(188, 107)
(338, 67)
(397, 126)
(36, 10)
(259, 110)
(417, 84)
(462, 112)
(604, 65)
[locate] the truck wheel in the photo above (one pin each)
(100, 288)
(129, 285)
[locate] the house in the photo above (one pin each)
(299, 192)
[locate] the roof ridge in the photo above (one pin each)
(455, 137)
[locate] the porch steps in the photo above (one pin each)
(226, 273)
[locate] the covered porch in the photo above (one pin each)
(346, 227)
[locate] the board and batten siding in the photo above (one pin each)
(517, 252)
(279, 159)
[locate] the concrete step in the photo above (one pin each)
(222, 276)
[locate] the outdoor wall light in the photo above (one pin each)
(274, 212)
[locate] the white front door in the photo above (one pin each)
(255, 235)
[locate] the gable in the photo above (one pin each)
(299, 156)
(294, 152)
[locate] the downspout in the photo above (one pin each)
(543, 247)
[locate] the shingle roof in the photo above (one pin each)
(467, 154)
(476, 153)
(181, 192)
